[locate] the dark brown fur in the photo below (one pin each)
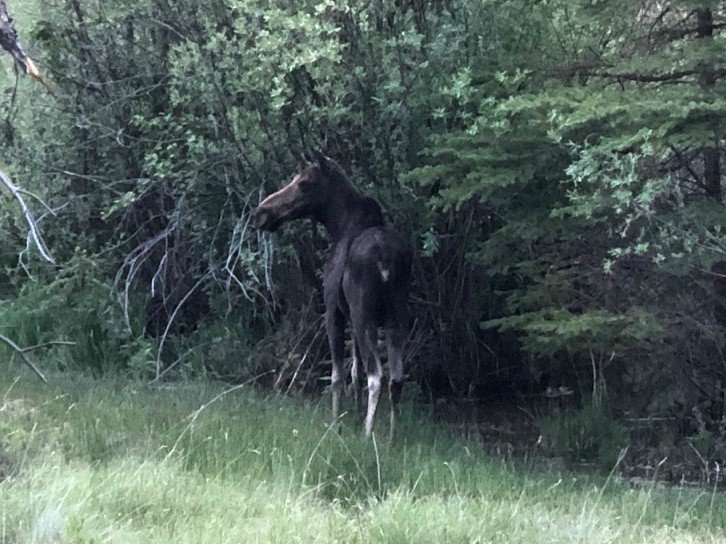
(366, 279)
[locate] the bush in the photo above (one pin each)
(77, 308)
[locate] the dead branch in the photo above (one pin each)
(653, 78)
(132, 265)
(240, 243)
(171, 320)
(304, 357)
(22, 352)
(34, 231)
(9, 42)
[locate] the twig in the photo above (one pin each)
(302, 361)
(51, 343)
(653, 78)
(378, 465)
(179, 360)
(171, 320)
(195, 414)
(21, 351)
(132, 266)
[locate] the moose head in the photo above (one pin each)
(307, 195)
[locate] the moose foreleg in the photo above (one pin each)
(335, 325)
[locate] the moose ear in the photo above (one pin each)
(309, 158)
(322, 161)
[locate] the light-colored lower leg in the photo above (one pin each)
(374, 391)
(355, 380)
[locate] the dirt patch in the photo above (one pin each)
(503, 428)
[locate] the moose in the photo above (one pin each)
(365, 280)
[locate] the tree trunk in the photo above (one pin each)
(711, 155)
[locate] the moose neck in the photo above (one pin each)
(348, 213)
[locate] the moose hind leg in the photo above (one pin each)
(395, 340)
(335, 326)
(366, 340)
(356, 375)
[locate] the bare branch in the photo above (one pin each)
(34, 231)
(304, 357)
(22, 352)
(132, 266)
(51, 343)
(171, 320)
(654, 78)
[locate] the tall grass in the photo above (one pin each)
(113, 460)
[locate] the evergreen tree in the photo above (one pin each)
(598, 163)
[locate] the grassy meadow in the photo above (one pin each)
(115, 460)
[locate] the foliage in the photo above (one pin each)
(75, 308)
(558, 163)
(593, 167)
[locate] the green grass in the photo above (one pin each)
(116, 461)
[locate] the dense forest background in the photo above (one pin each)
(557, 164)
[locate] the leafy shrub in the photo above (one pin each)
(77, 308)
(217, 349)
(710, 439)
